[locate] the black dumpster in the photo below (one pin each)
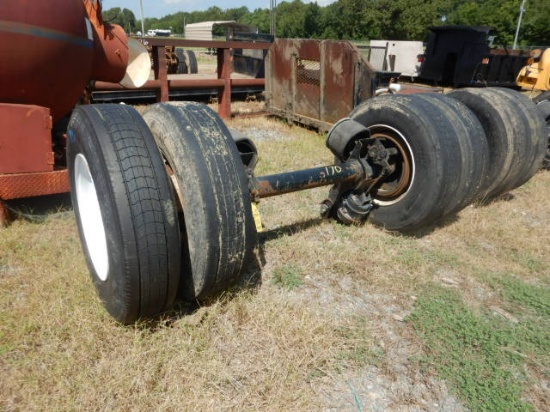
(460, 56)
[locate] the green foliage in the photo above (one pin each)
(122, 17)
(503, 16)
(536, 26)
(369, 19)
(260, 18)
(480, 355)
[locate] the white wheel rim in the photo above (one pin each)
(91, 221)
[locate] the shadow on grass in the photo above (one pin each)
(249, 281)
(288, 230)
(37, 209)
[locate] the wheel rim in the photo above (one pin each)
(396, 185)
(90, 217)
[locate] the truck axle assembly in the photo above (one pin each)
(353, 178)
(187, 228)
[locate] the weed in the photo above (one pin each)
(288, 277)
(534, 297)
(360, 349)
(480, 355)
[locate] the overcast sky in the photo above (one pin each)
(160, 8)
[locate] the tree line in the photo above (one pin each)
(368, 19)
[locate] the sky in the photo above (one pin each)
(160, 8)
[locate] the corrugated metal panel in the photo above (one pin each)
(199, 31)
(203, 30)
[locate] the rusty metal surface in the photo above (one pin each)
(161, 72)
(220, 44)
(25, 139)
(278, 184)
(175, 84)
(4, 215)
(224, 79)
(46, 60)
(316, 82)
(15, 186)
(110, 53)
(50, 49)
(224, 69)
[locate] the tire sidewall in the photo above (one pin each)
(421, 199)
(494, 115)
(198, 147)
(95, 148)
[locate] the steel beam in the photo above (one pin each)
(278, 184)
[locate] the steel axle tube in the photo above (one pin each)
(278, 184)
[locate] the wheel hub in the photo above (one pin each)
(396, 184)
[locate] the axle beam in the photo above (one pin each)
(278, 184)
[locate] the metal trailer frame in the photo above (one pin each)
(223, 83)
(29, 169)
(318, 82)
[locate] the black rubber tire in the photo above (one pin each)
(430, 141)
(213, 191)
(191, 61)
(543, 104)
(182, 64)
(530, 131)
(474, 151)
(125, 210)
(542, 97)
(507, 156)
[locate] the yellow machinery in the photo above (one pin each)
(536, 75)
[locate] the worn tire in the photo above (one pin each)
(507, 156)
(191, 61)
(125, 210)
(182, 64)
(543, 105)
(474, 151)
(530, 131)
(209, 177)
(421, 189)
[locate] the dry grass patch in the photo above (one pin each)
(254, 349)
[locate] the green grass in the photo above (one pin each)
(482, 355)
(532, 297)
(288, 276)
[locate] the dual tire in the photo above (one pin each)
(449, 150)
(543, 105)
(187, 61)
(155, 224)
(212, 193)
